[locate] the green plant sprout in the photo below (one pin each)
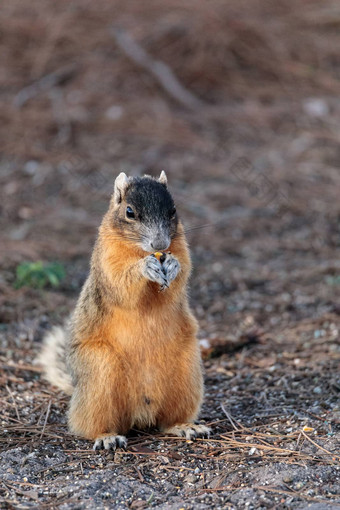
(39, 275)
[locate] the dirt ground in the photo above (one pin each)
(254, 162)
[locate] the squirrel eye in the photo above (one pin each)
(173, 212)
(129, 213)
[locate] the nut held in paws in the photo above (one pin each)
(160, 256)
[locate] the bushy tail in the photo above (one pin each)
(53, 360)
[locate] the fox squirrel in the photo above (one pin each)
(129, 356)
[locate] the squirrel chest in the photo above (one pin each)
(145, 351)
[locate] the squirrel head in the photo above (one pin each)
(144, 211)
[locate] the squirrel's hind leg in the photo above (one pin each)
(188, 430)
(100, 407)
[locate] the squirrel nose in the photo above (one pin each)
(160, 244)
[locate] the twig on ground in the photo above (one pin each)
(17, 366)
(163, 74)
(28, 494)
(45, 83)
(46, 418)
(14, 403)
(229, 417)
(336, 457)
(292, 493)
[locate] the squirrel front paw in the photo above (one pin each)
(153, 270)
(171, 267)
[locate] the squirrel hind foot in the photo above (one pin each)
(110, 442)
(189, 431)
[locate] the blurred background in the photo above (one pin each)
(238, 101)
(248, 135)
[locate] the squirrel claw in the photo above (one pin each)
(153, 270)
(190, 431)
(110, 443)
(163, 287)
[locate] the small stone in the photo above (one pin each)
(25, 213)
(31, 167)
(164, 459)
(315, 107)
(114, 112)
(191, 478)
(288, 479)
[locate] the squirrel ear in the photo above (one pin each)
(121, 183)
(163, 178)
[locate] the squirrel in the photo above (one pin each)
(129, 355)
